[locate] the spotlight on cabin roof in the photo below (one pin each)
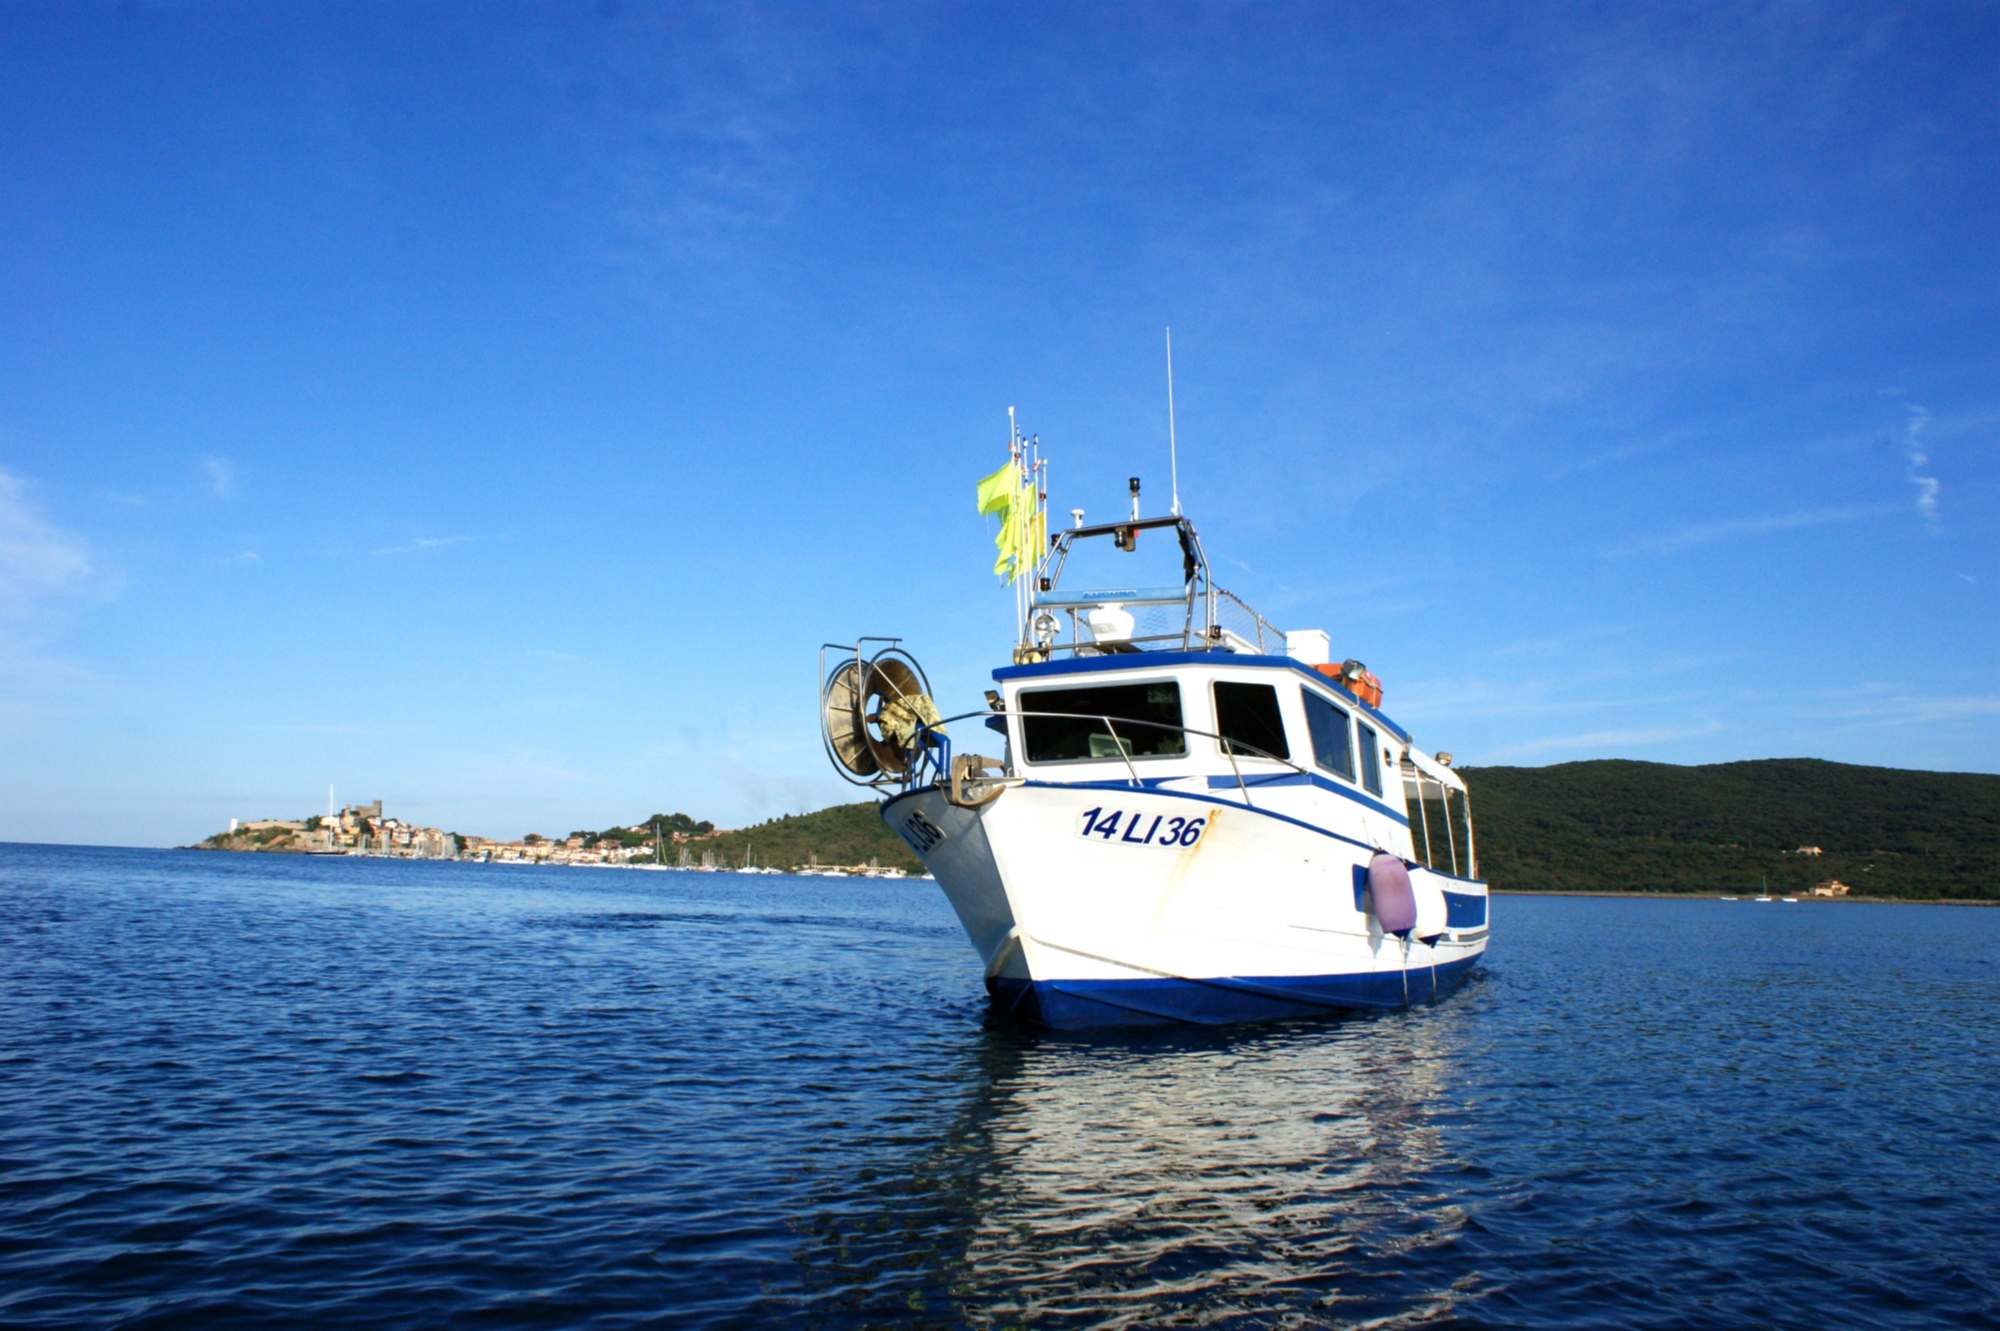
(1444, 760)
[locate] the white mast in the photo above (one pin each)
(1173, 449)
(1014, 517)
(1028, 468)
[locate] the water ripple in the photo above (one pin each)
(250, 1091)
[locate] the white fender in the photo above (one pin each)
(1430, 906)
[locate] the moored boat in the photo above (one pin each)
(1193, 817)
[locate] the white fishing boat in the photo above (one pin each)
(1195, 818)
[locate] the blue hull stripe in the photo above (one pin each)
(1313, 779)
(1157, 785)
(1082, 1004)
(1173, 794)
(1463, 910)
(1204, 799)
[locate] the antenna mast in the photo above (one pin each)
(1173, 449)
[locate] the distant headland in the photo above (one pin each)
(1783, 826)
(846, 839)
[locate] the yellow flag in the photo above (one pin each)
(1038, 528)
(1023, 527)
(996, 492)
(1023, 532)
(1009, 539)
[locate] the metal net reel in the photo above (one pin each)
(874, 713)
(840, 721)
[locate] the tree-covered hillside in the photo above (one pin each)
(844, 834)
(1618, 825)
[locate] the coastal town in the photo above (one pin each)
(664, 841)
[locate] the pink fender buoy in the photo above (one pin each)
(1395, 901)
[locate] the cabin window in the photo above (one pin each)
(1371, 760)
(1145, 720)
(1430, 818)
(1441, 821)
(1333, 742)
(1247, 719)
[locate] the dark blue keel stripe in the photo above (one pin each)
(1080, 1004)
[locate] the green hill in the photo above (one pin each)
(843, 834)
(1623, 826)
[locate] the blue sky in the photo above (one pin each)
(491, 409)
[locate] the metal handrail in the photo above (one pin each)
(1196, 580)
(1229, 746)
(1263, 624)
(1270, 638)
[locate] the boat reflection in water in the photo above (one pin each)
(1184, 1176)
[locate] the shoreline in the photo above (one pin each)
(1715, 896)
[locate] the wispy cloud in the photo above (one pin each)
(1916, 452)
(246, 557)
(221, 476)
(1706, 533)
(41, 567)
(1479, 699)
(1598, 740)
(1904, 709)
(37, 562)
(35, 688)
(697, 152)
(305, 728)
(1610, 457)
(420, 543)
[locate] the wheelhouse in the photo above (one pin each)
(1164, 685)
(1218, 720)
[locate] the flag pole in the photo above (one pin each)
(1014, 519)
(1173, 448)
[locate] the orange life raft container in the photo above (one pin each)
(1354, 677)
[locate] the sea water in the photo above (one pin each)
(244, 1090)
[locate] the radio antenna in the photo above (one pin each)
(1173, 449)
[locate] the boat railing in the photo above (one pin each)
(933, 738)
(1234, 616)
(1418, 789)
(1235, 627)
(1210, 617)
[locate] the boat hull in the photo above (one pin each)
(1219, 1000)
(1103, 905)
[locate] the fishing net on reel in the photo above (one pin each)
(876, 715)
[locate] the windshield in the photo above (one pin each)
(1145, 720)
